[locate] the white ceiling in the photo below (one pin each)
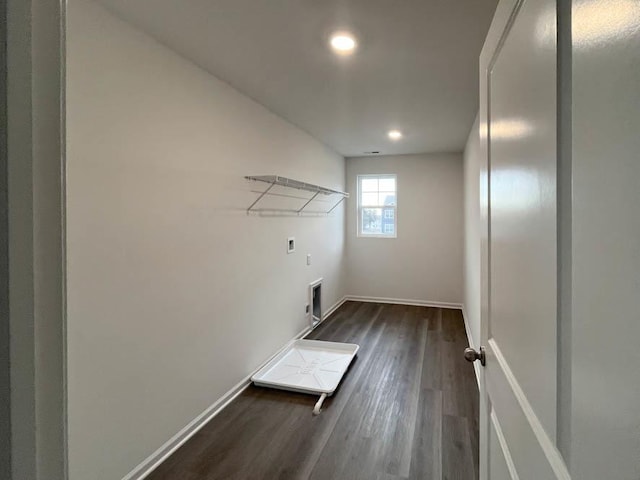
(415, 69)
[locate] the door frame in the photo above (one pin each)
(35, 267)
(5, 378)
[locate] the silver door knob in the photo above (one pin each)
(472, 355)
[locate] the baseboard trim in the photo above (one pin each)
(332, 309)
(467, 328)
(152, 462)
(156, 458)
(403, 301)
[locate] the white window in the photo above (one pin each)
(377, 205)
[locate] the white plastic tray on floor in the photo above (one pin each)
(308, 366)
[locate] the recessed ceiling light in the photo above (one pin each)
(395, 134)
(343, 43)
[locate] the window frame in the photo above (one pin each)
(360, 207)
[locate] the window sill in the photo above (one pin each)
(376, 236)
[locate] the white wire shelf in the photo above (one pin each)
(276, 180)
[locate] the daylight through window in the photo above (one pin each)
(377, 205)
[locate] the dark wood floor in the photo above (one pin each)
(406, 409)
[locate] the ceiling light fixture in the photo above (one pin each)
(395, 134)
(343, 43)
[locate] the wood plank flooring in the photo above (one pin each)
(406, 409)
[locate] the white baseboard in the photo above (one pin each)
(467, 328)
(403, 301)
(175, 442)
(332, 309)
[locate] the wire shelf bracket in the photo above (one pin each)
(276, 180)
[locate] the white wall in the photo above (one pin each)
(174, 293)
(605, 314)
(424, 263)
(472, 234)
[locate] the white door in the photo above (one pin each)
(519, 245)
